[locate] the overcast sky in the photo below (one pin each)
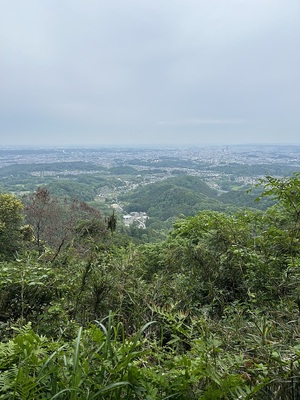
(122, 72)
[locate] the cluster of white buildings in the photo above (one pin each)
(139, 218)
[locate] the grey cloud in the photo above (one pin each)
(199, 121)
(140, 71)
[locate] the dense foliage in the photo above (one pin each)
(10, 224)
(211, 312)
(187, 195)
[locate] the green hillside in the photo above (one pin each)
(172, 197)
(245, 198)
(186, 195)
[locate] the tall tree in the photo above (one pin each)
(10, 223)
(112, 222)
(42, 213)
(59, 223)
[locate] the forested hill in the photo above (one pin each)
(185, 195)
(172, 197)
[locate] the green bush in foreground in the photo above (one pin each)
(102, 363)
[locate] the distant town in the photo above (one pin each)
(121, 170)
(109, 157)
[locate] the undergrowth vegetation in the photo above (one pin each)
(212, 312)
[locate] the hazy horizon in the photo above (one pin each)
(140, 73)
(152, 146)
